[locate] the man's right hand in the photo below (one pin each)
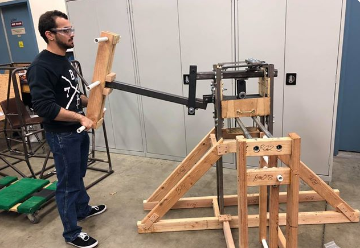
(86, 122)
(66, 115)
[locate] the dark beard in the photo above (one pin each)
(63, 45)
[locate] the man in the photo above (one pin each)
(56, 97)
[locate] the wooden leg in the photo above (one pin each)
(273, 209)
(242, 192)
(282, 240)
(324, 190)
(228, 236)
(186, 165)
(263, 207)
(292, 208)
(181, 187)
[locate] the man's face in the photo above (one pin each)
(64, 33)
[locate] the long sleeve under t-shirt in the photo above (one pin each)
(53, 85)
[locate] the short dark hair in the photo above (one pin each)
(47, 21)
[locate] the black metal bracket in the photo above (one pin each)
(241, 88)
(192, 89)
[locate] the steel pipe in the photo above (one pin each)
(243, 128)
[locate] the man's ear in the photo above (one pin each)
(49, 35)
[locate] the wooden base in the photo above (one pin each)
(212, 223)
(287, 149)
(205, 223)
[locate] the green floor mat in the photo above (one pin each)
(37, 200)
(19, 191)
(52, 186)
(5, 181)
(31, 205)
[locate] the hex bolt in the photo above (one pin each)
(280, 178)
(242, 95)
(191, 110)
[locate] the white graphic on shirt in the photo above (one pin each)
(76, 90)
(67, 89)
(78, 101)
(72, 75)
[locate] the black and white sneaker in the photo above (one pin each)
(84, 241)
(95, 210)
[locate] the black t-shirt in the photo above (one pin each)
(53, 85)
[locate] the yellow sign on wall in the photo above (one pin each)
(21, 44)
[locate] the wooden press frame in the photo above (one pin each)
(209, 150)
(168, 195)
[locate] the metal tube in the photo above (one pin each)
(94, 84)
(265, 245)
(232, 74)
(79, 74)
(98, 180)
(271, 75)
(219, 122)
(107, 147)
(243, 128)
(244, 65)
(101, 39)
(262, 127)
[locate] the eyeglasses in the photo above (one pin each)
(67, 31)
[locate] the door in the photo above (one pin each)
(4, 51)
(348, 118)
(20, 33)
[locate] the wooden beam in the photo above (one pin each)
(216, 207)
(324, 190)
(232, 200)
(267, 176)
(228, 235)
(103, 64)
(282, 239)
(267, 147)
(262, 207)
(262, 147)
(245, 107)
(274, 208)
(213, 223)
(292, 207)
(186, 165)
(110, 77)
(241, 145)
(264, 86)
(165, 204)
(213, 139)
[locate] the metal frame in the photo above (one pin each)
(24, 132)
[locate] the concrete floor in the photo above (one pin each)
(135, 178)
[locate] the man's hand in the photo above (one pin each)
(66, 115)
(86, 122)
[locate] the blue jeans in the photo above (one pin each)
(70, 151)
